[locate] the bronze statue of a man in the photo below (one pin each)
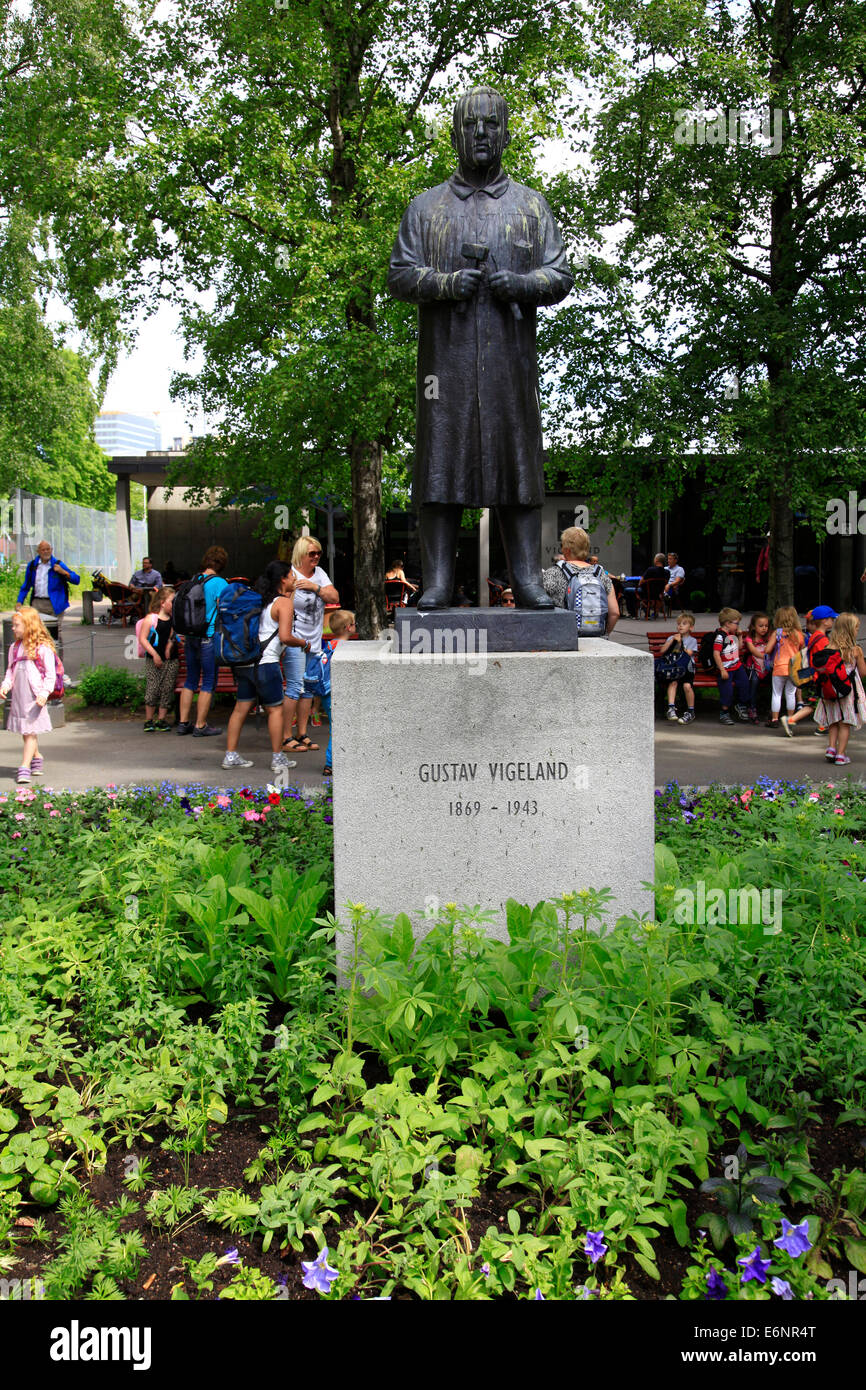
(477, 255)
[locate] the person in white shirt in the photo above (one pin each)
(676, 576)
(313, 589)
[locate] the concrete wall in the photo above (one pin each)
(614, 547)
(182, 533)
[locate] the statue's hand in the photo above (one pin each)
(506, 285)
(466, 283)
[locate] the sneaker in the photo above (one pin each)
(742, 713)
(161, 727)
(235, 760)
(819, 732)
(830, 755)
(725, 718)
(786, 726)
(280, 761)
(23, 776)
(36, 765)
(149, 726)
(183, 727)
(688, 717)
(207, 731)
(753, 715)
(671, 714)
(841, 759)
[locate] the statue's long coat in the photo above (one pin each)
(478, 438)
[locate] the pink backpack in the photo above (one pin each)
(59, 685)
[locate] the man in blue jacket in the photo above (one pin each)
(49, 580)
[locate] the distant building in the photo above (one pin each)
(121, 434)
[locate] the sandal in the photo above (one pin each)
(304, 745)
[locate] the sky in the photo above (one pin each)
(141, 382)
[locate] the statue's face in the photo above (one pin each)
(479, 133)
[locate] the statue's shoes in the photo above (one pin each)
(532, 596)
(436, 596)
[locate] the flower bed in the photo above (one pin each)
(190, 1109)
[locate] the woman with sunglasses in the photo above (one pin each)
(313, 589)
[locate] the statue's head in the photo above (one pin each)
(479, 133)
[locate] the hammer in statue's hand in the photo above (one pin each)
(472, 251)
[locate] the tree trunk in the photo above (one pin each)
(348, 40)
(780, 589)
(368, 538)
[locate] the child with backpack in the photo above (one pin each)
(842, 703)
(31, 675)
(784, 643)
(160, 651)
(820, 620)
(730, 671)
(756, 661)
(675, 664)
(267, 625)
(342, 628)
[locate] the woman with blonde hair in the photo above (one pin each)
(30, 676)
(313, 589)
(847, 713)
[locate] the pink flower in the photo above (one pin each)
(112, 796)
(838, 810)
(251, 815)
(16, 834)
(814, 797)
(54, 813)
(19, 815)
(224, 801)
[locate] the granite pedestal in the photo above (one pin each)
(480, 777)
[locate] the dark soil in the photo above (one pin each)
(237, 1143)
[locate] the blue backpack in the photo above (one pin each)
(236, 634)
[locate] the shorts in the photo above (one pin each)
(293, 664)
(262, 683)
(200, 662)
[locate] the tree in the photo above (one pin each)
(729, 152)
(282, 147)
(47, 405)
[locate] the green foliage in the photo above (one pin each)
(105, 685)
(570, 1079)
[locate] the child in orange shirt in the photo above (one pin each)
(782, 645)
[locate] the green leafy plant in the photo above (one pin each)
(106, 685)
(741, 1195)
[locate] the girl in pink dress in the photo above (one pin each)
(30, 676)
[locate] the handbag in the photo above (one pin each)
(673, 665)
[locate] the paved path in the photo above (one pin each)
(97, 752)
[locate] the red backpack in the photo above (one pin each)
(59, 685)
(834, 683)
